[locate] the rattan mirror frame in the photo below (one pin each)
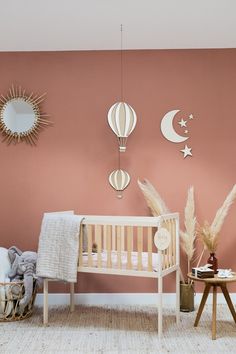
(31, 135)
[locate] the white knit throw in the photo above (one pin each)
(58, 247)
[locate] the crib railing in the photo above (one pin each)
(123, 236)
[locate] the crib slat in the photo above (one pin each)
(98, 238)
(107, 231)
(129, 246)
(113, 237)
(166, 255)
(104, 237)
(81, 236)
(118, 237)
(168, 249)
(164, 259)
(140, 247)
(174, 241)
(150, 242)
(90, 241)
(172, 246)
(171, 243)
(122, 238)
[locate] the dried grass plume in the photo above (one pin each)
(209, 241)
(210, 233)
(157, 205)
(153, 199)
(188, 237)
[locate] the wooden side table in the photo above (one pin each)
(214, 283)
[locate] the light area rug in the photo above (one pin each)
(118, 329)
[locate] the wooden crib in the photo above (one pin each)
(125, 245)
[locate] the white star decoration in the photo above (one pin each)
(182, 123)
(190, 116)
(187, 151)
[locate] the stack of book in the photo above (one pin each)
(203, 272)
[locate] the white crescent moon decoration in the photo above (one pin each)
(167, 128)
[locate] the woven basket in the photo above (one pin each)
(9, 307)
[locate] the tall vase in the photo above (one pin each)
(213, 261)
(186, 297)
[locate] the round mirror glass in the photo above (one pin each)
(18, 116)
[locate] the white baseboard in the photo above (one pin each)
(150, 299)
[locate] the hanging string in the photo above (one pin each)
(121, 60)
(119, 159)
(121, 76)
(119, 193)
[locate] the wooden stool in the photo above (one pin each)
(214, 283)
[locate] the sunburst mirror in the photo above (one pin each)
(20, 116)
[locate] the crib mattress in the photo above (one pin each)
(124, 260)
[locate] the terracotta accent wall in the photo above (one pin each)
(70, 165)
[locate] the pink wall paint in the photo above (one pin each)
(69, 167)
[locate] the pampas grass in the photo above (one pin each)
(210, 241)
(222, 212)
(210, 233)
(153, 199)
(158, 207)
(188, 237)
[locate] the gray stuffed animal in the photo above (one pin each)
(23, 265)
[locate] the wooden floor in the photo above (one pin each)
(120, 329)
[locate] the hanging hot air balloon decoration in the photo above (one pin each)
(119, 180)
(122, 120)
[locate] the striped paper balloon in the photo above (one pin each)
(122, 120)
(119, 180)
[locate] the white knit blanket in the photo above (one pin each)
(58, 247)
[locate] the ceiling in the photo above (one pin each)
(50, 25)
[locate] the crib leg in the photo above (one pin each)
(72, 297)
(177, 297)
(45, 302)
(160, 290)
